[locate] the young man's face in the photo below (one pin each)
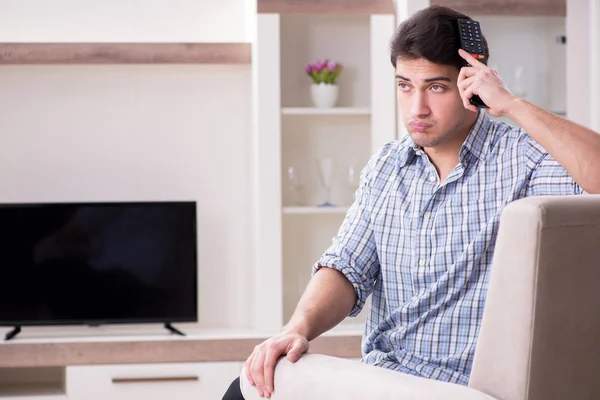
(431, 106)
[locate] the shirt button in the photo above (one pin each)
(422, 262)
(432, 178)
(427, 215)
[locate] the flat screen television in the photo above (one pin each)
(98, 263)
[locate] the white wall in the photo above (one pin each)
(125, 20)
(138, 132)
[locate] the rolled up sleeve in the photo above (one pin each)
(550, 178)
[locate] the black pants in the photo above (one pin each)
(234, 392)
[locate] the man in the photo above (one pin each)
(421, 233)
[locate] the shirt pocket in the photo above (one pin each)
(489, 196)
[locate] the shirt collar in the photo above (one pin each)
(477, 142)
(479, 138)
(408, 150)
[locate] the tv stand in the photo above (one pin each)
(14, 332)
(173, 329)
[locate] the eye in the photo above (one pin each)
(403, 86)
(438, 88)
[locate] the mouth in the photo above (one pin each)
(419, 126)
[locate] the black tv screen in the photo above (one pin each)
(97, 263)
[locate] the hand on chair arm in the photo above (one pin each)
(327, 300)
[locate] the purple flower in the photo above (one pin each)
(326, 71)
(331, 66)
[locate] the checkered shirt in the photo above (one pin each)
(423, 248)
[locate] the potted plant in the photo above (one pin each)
(324, 75)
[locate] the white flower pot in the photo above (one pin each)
(324, 95)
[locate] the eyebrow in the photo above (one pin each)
(427, 80)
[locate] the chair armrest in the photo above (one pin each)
(316, 376)
(539, 333)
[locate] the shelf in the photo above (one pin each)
(193, 348)
(38, 391)
(315, 210)
(125, 53)
(557, 8)
(33, 383)
(326, 111)
(326, 6)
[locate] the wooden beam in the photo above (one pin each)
(54, 354)
(507, 7)
(326, 6)
(125, 53)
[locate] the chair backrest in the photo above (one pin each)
(540, 335)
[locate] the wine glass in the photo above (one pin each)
(326, 175)
(295, 185)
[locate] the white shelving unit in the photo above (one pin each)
(293, 232)
(315, 210)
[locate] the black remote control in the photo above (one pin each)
(471, 41)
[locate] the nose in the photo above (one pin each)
(419, 106)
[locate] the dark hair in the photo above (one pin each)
(430, 33)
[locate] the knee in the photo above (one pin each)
(234, 391)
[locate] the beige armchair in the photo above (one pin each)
(540, 335)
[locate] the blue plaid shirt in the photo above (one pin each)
(423, 248)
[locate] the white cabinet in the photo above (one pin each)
(180, 381)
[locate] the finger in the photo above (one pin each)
(466, 83)
(466, 72)
(249, 370)
(295, 350)
(258, 372)
(269, 370)
(468, 93)
(471, 60)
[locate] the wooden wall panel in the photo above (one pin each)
(125, 53)
(326, 6)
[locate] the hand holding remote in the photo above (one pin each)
(479, 79)
(470, 40)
